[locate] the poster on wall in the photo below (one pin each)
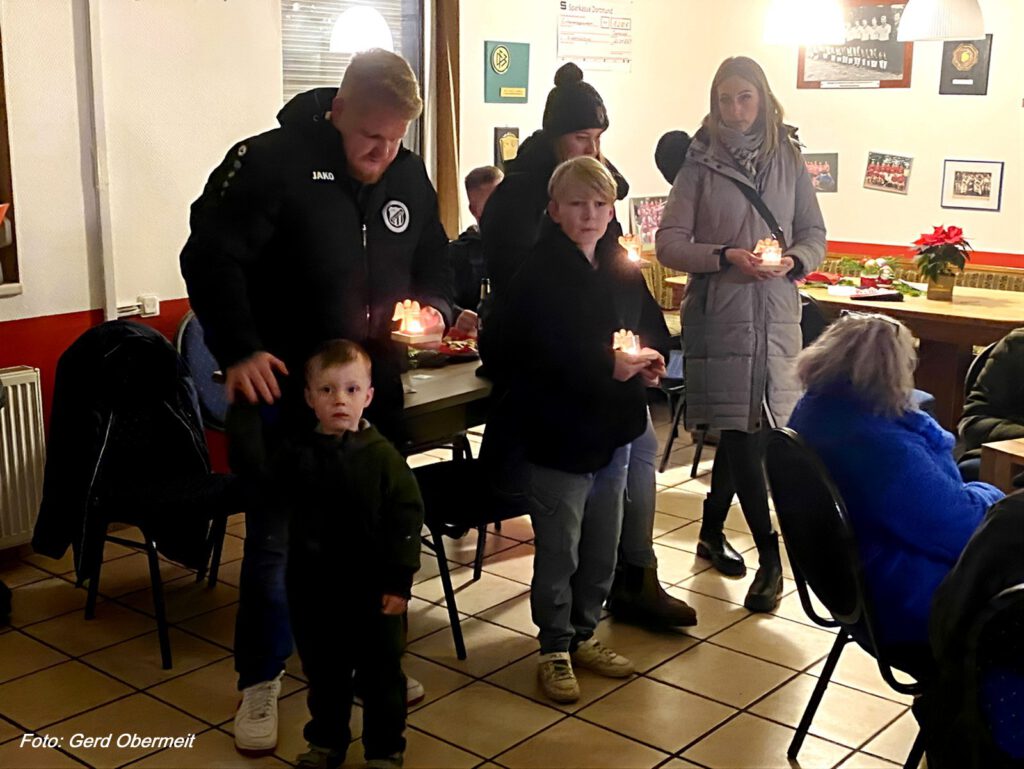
(596, 34)
(976, 184)
(506, 145)
(645, 217)
(871, 57)
(888, 172)
(823, 168)
(965, 66)
(506, 72)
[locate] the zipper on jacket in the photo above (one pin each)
(366, 271)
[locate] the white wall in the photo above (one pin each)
(678, 44)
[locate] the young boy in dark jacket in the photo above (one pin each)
(355, 515)
(571, 407)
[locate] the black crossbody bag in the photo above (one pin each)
(759, 205)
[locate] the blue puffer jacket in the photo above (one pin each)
(911, 512)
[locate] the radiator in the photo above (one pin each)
(22, 454)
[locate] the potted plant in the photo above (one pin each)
(941, 254)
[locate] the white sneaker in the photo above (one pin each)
(256, 718)
(596, 657)
(559, 683)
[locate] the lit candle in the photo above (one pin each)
(410, 326)
(632, 245)
(626, 341)
(769, 251)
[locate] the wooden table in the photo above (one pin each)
(1001, 462)
(442, 403)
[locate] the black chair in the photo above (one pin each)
(823, 553)
(974, 370)
(674, 388)
(812, 320)
(459, 496)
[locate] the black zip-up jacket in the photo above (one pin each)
(466, 257)
(552, 353)
(353, 505)
(995, 407)
(287, 251)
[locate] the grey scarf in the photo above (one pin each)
(746, 149)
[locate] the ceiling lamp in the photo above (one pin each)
(361, 28)
(941, 20)
(804, 22)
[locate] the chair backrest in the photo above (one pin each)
(213, 399)
(812, 320)
(974, 370)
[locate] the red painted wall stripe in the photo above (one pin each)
(986, 258)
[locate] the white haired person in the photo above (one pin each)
(893, 465)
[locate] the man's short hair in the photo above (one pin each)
(483, 176)
(381, 77)
(336, 352)
(582, 174)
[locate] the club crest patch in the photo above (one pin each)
(396, 216)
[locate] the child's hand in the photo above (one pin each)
(654, 370)
(393, 605)
(628, 366)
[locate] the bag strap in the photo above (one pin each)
(758, 203)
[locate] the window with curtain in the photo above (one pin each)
(319, 38)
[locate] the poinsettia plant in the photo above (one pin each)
(940, 251)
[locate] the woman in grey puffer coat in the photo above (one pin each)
(741, 320)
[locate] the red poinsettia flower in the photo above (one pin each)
(954, 235)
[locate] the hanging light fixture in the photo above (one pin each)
(359, 29)
(804, 22)
(941, 20)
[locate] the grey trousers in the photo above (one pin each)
(577, 519)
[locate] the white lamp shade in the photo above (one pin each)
(941, 20)
(804, 22)
(361, 28)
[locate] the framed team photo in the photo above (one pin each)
(823, 168)
(976, 184)
(871, 56)
(888, 172)
(645, 217)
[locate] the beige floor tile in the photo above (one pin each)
(292, 715)
(483, 718)
(680, 503)
(20, 655)
(521, 678)
(516, 563)
(686, 539)
(437, 680)
(832, 720)
(15, 573)
(721, 674)
(895, 742)
(675, 565)
(44, 599)
(8, 731)
(732, 589)
(138, 661)
(865, 761)
(421, 460)
(428, 567)
(463, 550)
(680, 464)
(426, 618)
(471, 597)
(753, 743)
(52, 565)
(424, 752)
(211, 693)
(233, 549)
(778, 640)
(700, 485)
(519, 529)
(217, 626)
(185, 598)
(131, 573)
(16, 757)
(211, 749)
(736, 522)
(656, 714)
(678, 763)
(57, 693)
(139, 715)
(574, 744)
(230, 573)
(237, 527)
(488, 648)
(664, 523)
(293, 667)
(646, 647)
(859, 670)
(713, 615)
(514, 614)
(74, 634)
(791, 608)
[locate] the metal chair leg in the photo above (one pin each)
(449, 594)
(219, 531)
(700, 450)
(481, 543)
(916, 752)
(94, 586)
(842, 639)
(158, 604)
(677, 414)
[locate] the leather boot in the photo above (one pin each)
(766, 589)
(638, 597)
(716, 548)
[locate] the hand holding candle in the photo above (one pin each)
(416, 325)
(633, 246)
(770, 252)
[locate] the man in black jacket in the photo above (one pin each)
(309, 232)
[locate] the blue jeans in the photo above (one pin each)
(636, 546)
(577, 519)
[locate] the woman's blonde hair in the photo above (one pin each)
(770, 111)
(873, 353)
(381, 77)
(579, 174)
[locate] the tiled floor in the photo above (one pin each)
(725, 695)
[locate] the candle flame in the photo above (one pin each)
(408, 315)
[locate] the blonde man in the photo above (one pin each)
(305, 233)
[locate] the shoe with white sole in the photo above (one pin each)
(414, 693)
(598, 658)
(256, 718)
(559, 683)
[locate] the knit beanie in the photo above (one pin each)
(572, 104)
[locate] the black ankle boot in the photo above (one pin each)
(716, 548)
(766, 589)
(638, 597)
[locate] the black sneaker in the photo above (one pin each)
(320, 758)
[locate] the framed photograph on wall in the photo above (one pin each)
(976, 184)
(823, 168)
(871, 57)
(965, 66)
(888, 172)
(645, 217)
